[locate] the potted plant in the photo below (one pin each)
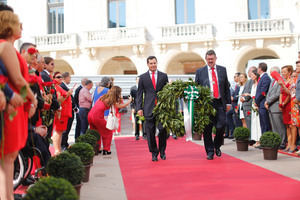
(241, 136)
(88, 138)
(67, 166)
(97, 135)
(270, 142)
(86, 153)
(51, 188)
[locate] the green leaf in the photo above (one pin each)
(23, 93)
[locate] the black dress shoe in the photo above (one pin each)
(218, 152)
(174, 136)
(154, 157)
(163, 156)
(230, 137)
(210, 157)
(226, 136)
(137, 137)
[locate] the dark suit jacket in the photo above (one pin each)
(46, 78)
(235, 96)
(150, 94)
(248, 100)
(133, 94)
(262, 90)
(76, 96)
(202, 78)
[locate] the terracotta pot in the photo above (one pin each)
(196, 136)
(86, 176)
(242, 145)
(77, 188)
(96, 149)
(270, 153)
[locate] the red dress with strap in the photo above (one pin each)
(66, 110)
(286, 110)
(16, 130)
(97, 122)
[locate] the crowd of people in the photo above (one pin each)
(37, 106)
(263, 102)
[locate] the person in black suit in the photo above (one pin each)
(260, 97)
(76, 109)
(47, 77)
(66, 80)
(215, 77)
(150, 83)
(133, 105)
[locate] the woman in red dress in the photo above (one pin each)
(285, 101)
(62, 116)
(15, 131)
(96, 115)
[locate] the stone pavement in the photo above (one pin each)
(106, 179)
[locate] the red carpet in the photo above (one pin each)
(186, 174)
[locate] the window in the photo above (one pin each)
(3, 1)
(185, 11)
(116, 13)
(55, 16)
(258, 9)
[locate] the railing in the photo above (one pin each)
(115, 37)
(56, 42)
(262, 27)
(186, 32)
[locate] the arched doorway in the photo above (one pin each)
(185, 63)
(118, 65)
(62, 66)
(254, 56)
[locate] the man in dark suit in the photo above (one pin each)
(47, 77)
(260, 97)
(150, 83)
(215, 77)
(133, 105)
(76, 101)
(65, 135)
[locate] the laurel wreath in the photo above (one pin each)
(167, 109)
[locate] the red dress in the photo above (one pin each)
(16, 131)
(286, 110)
(66, 111)
(97, 122)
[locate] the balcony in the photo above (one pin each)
(264, 28)
(185, 33)
(56, 42)
(115, 37)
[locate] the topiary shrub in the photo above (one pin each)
(67, 166)
(241, 133)
(51, 188)
(87, 138)
(84, 150)
(94, 133)
(270, 139)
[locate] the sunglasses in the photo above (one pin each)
(58, 77)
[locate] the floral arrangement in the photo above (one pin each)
(254, 108)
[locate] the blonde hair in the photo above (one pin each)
(113, 96)
(9, 24)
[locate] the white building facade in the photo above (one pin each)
(93, 37)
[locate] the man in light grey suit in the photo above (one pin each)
(247, 100)
(272, 105)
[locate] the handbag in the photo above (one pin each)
(112, 121)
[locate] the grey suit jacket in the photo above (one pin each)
(272, 98)
(247, 89)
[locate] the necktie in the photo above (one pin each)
(153, 81)
(258, 80)
(273, 83)
(215, 83)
